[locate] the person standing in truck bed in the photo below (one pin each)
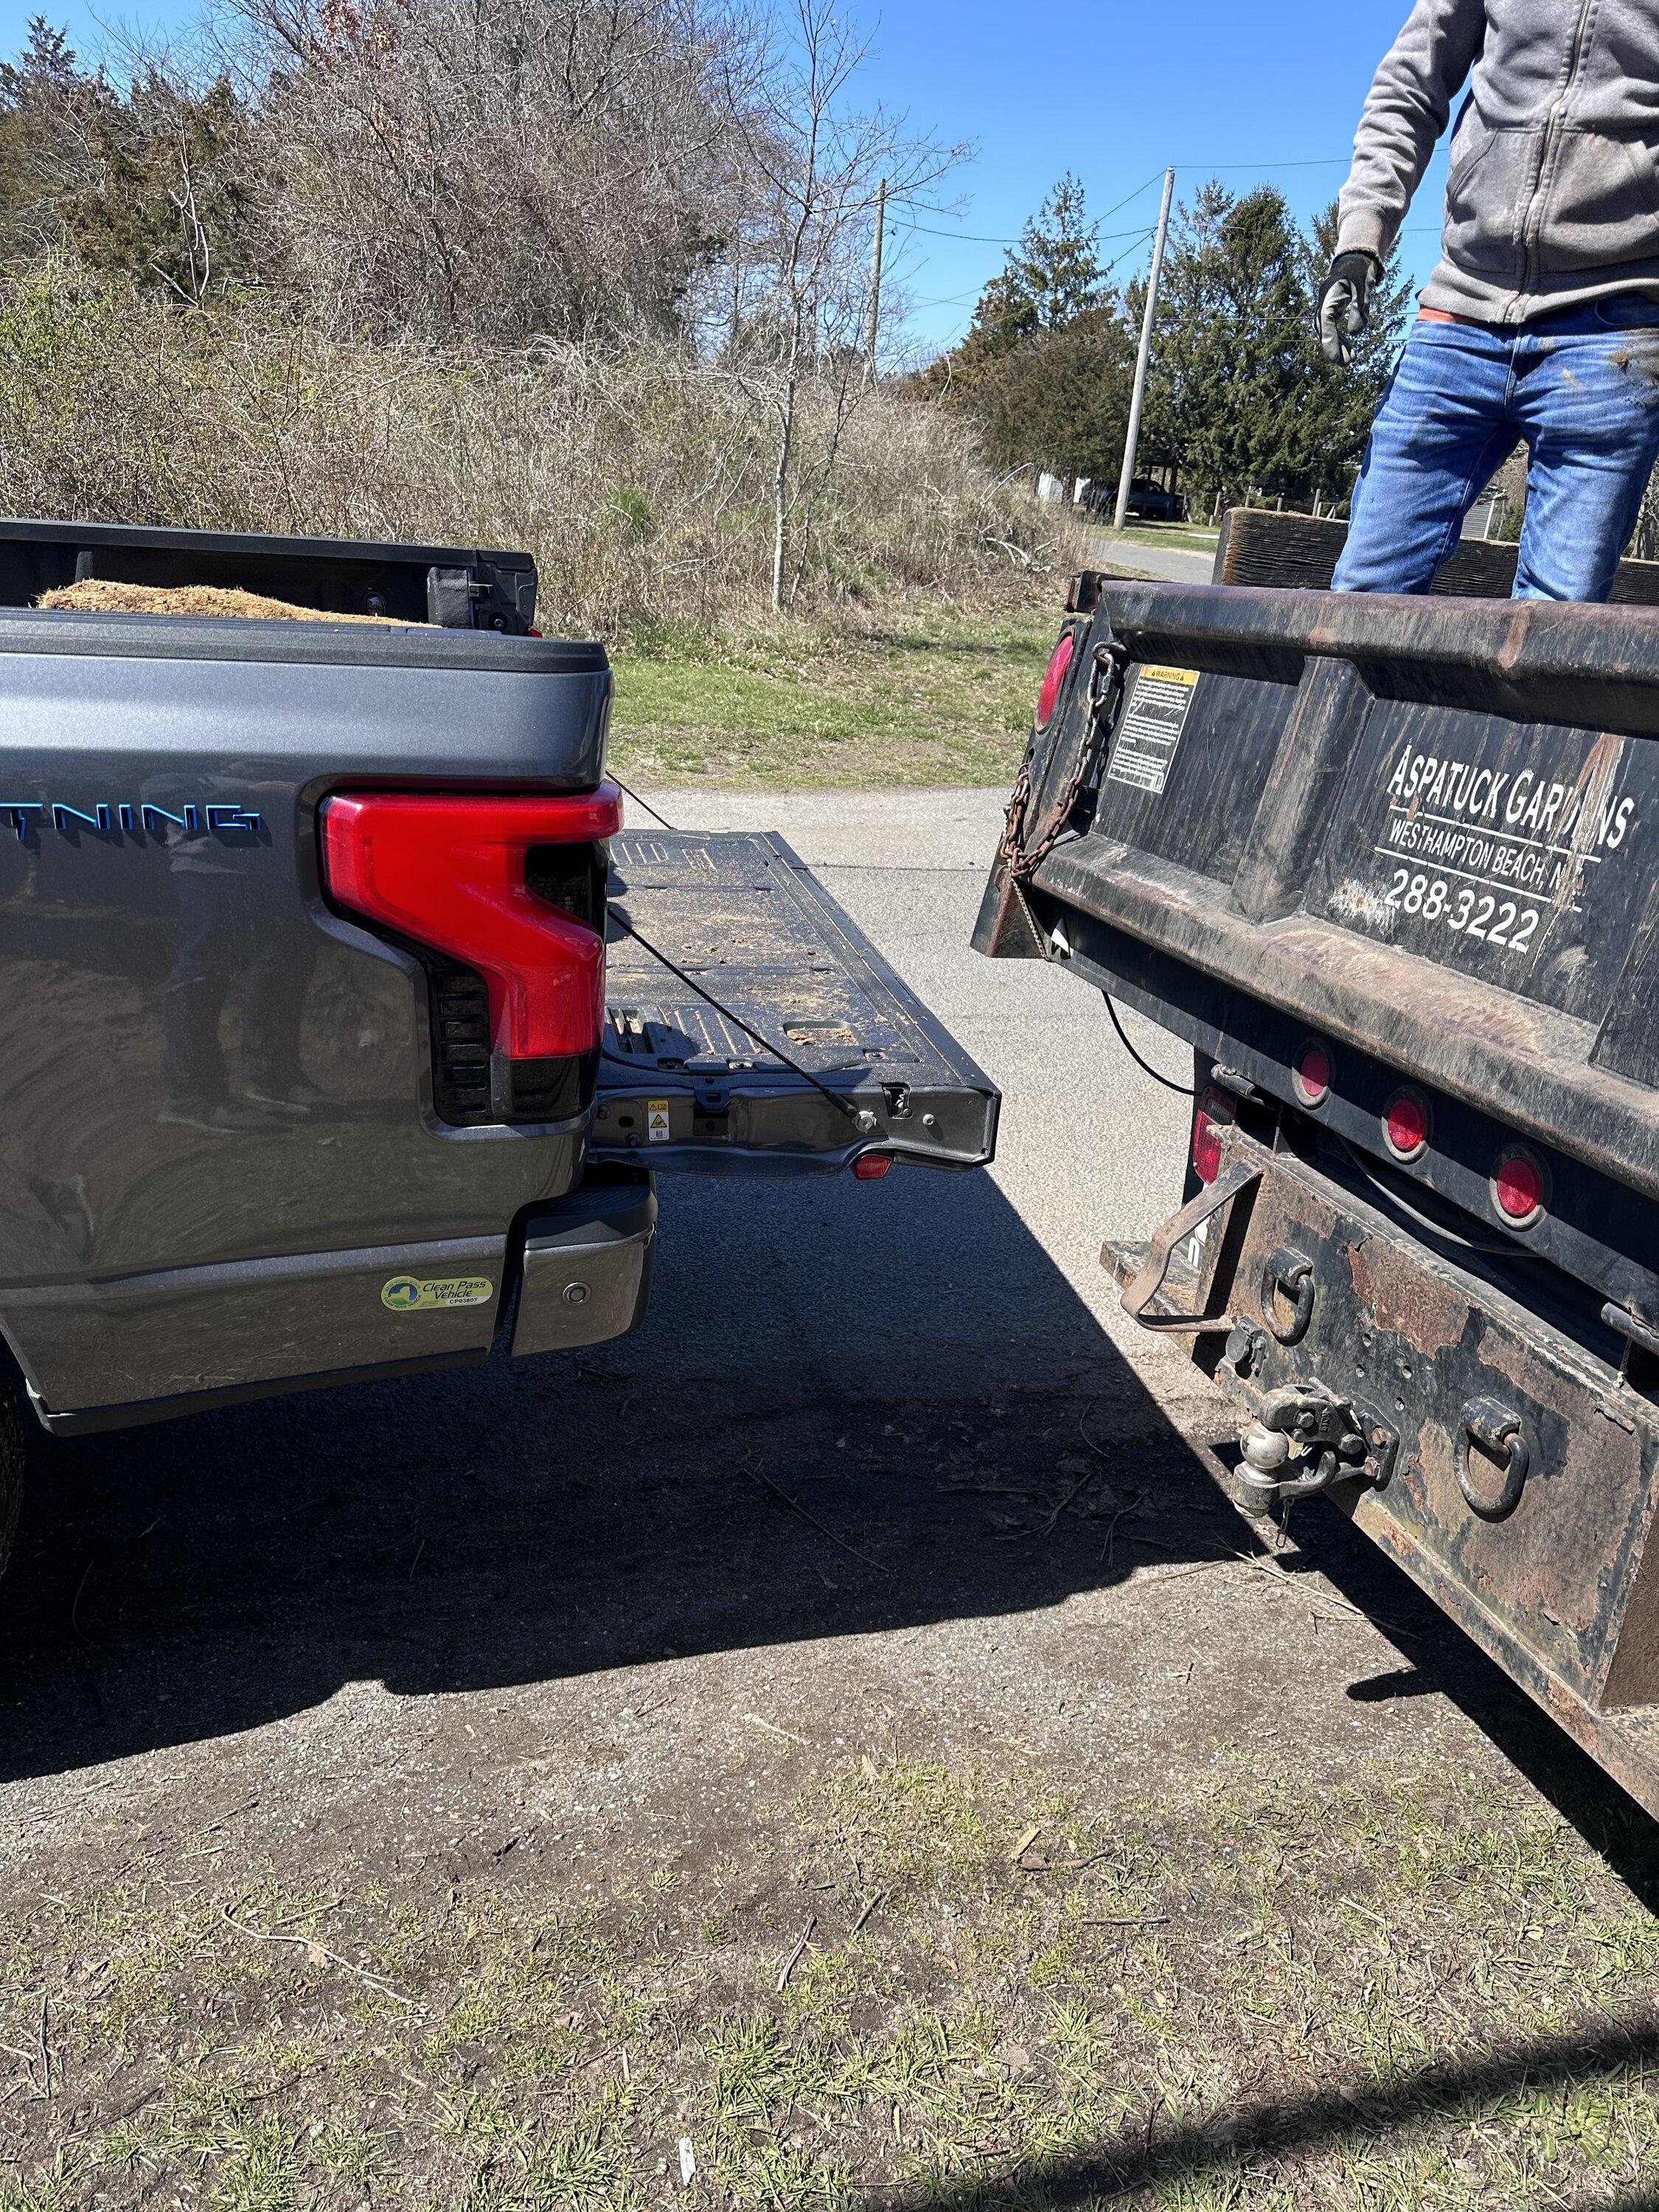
(1540, 323)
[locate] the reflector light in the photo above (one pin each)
(1213, 1112)
(1311, 1076)
(870, 1167)
(1517, 1187)
(1405, 1125)
(1059, 661)
(447, 870)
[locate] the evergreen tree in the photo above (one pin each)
(43, 98)
(1240, 396)
(1334, 417)
(1047, 363)
(1054, 271)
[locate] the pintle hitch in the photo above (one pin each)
(1326, 1439)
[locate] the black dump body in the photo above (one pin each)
(457, 587)
(1409, 845)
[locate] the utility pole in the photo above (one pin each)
(875, 282)
(1133, 437)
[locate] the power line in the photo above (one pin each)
(1210, 169)
(979, 238)
(1155, 177)
(1128, 250)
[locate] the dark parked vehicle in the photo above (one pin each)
(1389, 867)
(1149, 501)
(315, 1067)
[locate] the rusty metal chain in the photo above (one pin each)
(1105, 690)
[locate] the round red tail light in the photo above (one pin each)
(1311, 1076)
(1405, 1125)
(1059, 661)
(1518, 1186)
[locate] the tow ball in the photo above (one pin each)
(1304, 1440)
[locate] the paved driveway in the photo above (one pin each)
(1167, 562)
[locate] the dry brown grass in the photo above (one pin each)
(639, 484)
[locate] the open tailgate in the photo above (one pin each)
(684, 1085)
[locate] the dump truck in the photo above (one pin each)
(1387, 866)
(348, 1030)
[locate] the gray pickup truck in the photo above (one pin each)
(317, 1067)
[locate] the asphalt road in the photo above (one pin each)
(1167, 562)
(927, 1279)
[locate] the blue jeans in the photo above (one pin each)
(1581, 388)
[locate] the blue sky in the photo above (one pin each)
(1250, 90)
(1242, 89)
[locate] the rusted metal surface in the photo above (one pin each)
(1532, 660)
(1560, 1587)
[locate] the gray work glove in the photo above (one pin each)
(1345, 305)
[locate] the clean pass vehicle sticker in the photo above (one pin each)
(1150, 730)
(421, 1294)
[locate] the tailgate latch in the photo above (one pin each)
(1323, 1438)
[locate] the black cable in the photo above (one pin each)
(766, 1043)
(638, 801)
(1357, 1161)
(1186, 1089)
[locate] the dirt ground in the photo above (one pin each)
(864, 1804)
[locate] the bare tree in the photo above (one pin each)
(798, 274)
(494, 171)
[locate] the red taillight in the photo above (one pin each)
(870, 1167)
(1311, 1076)
(1059, 661)
(449, 870)
(1405, 1125)
(1518, 1186)
(1213, 1114)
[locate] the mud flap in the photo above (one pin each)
(684, 1085)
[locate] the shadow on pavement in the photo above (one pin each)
(842, 1418)
(536, 1520)
(1146, 2155)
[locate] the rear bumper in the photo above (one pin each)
(585, 1277)
(1557, 1587)
(586, 1268)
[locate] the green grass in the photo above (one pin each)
(933, 695)
(1399, 1994)
(1181, 537)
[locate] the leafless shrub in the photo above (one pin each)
(491, 171)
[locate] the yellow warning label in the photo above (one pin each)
(656, 1121)
(1143, 749)
(421, 1294)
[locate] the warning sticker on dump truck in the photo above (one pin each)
(656, 1121)
(422, 1293)
(1150, 732)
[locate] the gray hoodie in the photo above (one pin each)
(1553, 196)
